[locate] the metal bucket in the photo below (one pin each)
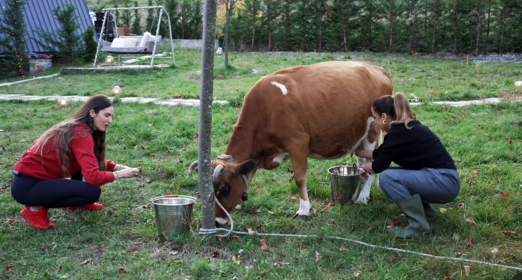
(173, 214)
(345, 182)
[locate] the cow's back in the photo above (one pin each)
(329, 102)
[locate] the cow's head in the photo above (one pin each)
(230, 184)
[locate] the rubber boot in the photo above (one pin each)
(413, 210)
(431, 214)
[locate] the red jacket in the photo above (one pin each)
(47, 166)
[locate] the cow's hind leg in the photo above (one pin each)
(362, 195)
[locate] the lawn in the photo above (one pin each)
(121, 241)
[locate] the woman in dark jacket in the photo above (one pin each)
(427, 173)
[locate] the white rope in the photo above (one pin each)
(228, 231)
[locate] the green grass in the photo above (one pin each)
(123, 238)
(426, 79)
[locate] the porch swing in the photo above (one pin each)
(132, 44)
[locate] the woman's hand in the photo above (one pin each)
(364, 175)
(119, 167)
(126, 173)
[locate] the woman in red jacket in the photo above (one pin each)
(73, 148)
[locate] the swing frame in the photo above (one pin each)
(161, 10)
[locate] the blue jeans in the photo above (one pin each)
(433, 185)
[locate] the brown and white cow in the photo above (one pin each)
(321, 111)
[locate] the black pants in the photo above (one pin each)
(57, 193)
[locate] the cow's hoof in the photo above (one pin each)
(300, 217)
(362, 200)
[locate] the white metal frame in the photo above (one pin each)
(161, 10)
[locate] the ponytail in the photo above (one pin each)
(403, 112)
(397, 107)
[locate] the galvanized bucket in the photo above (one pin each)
(345, 182)
(173, 214)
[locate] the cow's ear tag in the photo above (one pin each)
(246, 167)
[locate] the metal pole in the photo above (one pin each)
(100, 39)
(206, 189)
(171, 42)
(156, 38)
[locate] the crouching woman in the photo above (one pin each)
(73, 148)
(427, 173)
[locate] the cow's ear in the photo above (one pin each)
(246, 167)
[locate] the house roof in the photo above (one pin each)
(39, 13)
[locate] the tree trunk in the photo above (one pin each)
(206, 189)
(480, 13)
(434, 33)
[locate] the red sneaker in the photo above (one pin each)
(89, 207)
(49, 224)
(37, 219)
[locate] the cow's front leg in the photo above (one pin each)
(300, 165)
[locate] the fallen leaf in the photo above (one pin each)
(264, 247)
(265, 272)
(152, 155)
(289, 170)
(510, 141)
(215, 254)
(235, 260)
(277, 264)
(87, 261)
(461, 205)
(122, 271)
(443, 210)
(254, 211)
(11, 222)
(178, 261)
(460, 160)
(250, 231)
(447, 278)
(314, 212)
(342, 249)
(510, 232)
(504, 260)
(470, 221)
(504, 194)
(357, 274)
(470, 241)
(47, 246)
(475, 172)
(494, 251)
(9, 268)
(392, 223)
(59, 269)
(317, 256)
(328, 207)
(110, 213)
(293, 198)
(466, 268)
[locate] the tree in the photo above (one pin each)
(90, 45)
(64, 43)
(230, 5)
(12, 23)
(136, 26)
(269, 18)
(253, 8)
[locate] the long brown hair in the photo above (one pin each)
(397, 107)
(60, 134)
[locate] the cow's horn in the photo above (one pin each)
(191, 168)
(217, 172)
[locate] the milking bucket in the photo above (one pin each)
(345, 182)
(173, 214)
